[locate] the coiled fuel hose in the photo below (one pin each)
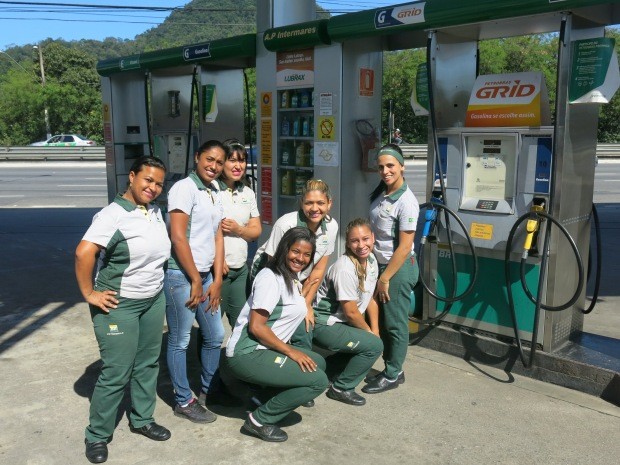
(436, 203)
(599, 261)
(431, 223)
(535, 217)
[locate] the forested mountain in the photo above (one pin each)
(72, 90)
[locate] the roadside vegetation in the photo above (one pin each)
(72, 92)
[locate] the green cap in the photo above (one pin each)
(392, 152)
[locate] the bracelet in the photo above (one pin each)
(384, 282)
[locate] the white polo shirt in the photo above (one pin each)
(326, 237)
(341, 283)
(136, 247)
(286, 311)
(204, 207)
(390, 214)
(239, 204)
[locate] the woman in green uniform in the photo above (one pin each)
(127, 304)
(343, 298)
(240, 225)
(394, 214)
(315, 203)
(258, 351)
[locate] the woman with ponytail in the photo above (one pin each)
(347, 316)
(394, 214)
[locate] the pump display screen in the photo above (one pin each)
(489, 172)
(490, 167)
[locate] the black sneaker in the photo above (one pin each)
(380, 384)
(194, 412)
(269, 433)
(348, 397)
(400, 379)
(96, 452)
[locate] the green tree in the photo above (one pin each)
(522, 54)
(399, 72)
(609, 118)
(72, 91)
(21, 108)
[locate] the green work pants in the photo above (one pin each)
(129, 340)
(302, 339)
(234, 293)
(267, 367)
(357, 350)
(394, 321)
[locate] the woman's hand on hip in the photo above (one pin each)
(105, 300)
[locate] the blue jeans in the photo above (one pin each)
(180, 321)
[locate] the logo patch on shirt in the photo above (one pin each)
(410, 220)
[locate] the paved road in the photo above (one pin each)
(52, 185)
(83, 184)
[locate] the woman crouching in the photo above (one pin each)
(258, 351)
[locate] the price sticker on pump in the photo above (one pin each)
(326, 128)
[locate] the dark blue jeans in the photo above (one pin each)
(180, 321)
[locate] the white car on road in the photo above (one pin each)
(66, 140)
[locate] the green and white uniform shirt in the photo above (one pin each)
(390, 214)
(341, 283)
(326, 237)
(204, 206)
(136, 248)
(239, 204)
(286, 311)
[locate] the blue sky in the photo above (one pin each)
(24, 23)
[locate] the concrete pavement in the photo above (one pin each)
(449, 411)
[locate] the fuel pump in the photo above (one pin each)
(431, 216)
(512, 177)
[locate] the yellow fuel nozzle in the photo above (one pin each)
(531, 227)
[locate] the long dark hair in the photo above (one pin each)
(382, 187)
(277, 263)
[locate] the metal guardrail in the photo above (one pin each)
(418, 151)
(52, 153)
(415, 151)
